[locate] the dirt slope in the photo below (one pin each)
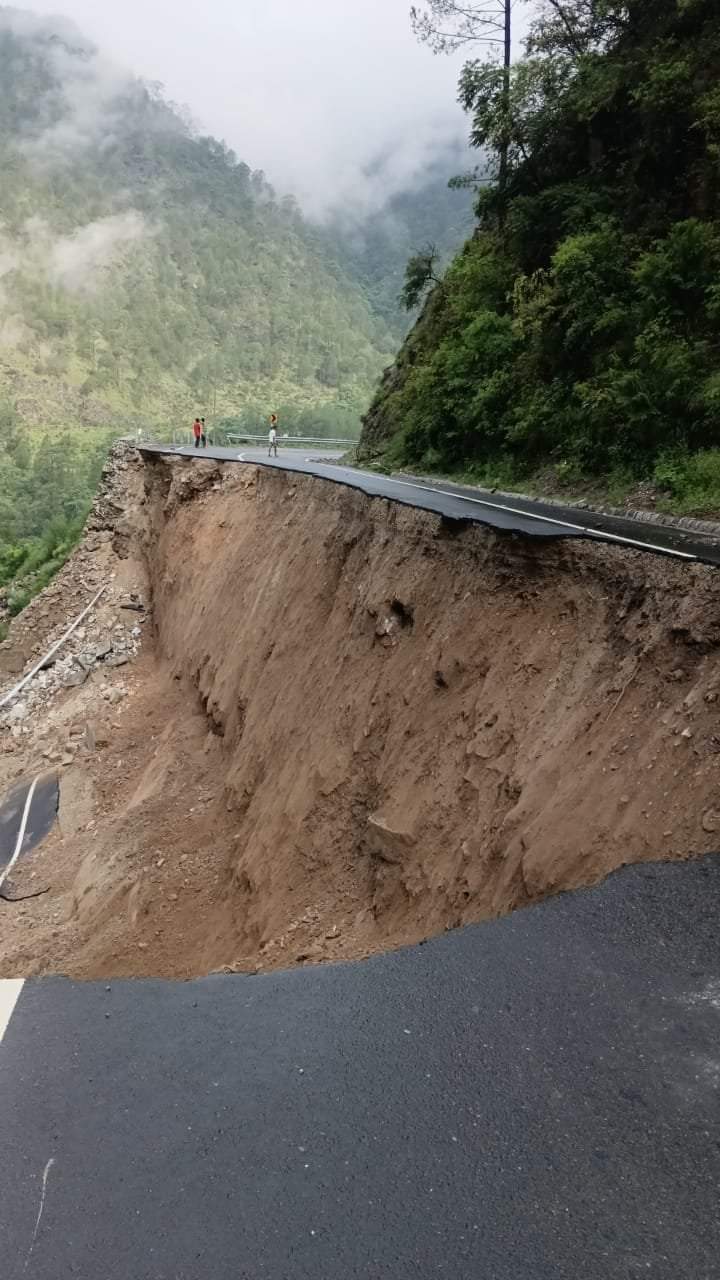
(356, 725)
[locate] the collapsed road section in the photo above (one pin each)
(505, 513)
(350, 724)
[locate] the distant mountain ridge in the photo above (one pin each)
(151, 271)
(150, 268)
(148, 275)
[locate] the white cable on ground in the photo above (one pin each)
(21, 833)
(8, 697)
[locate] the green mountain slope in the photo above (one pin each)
(147, 275)
(579, 325)
(147, 270)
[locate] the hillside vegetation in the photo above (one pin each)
(146, 275)
(579, 327)
(150, 268)
(46, 487)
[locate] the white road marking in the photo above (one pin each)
(531, 515)
(46, 1174)
(641, 546)
(528, 515)
(21, 833)
(10, 989)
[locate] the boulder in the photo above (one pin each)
(388, 843)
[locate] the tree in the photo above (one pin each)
(585, 337)
(9, 433)
(419, 275)
(516, 118)
(446, 26)
(577, 26)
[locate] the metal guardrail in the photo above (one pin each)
(243, 437)
(221, 437)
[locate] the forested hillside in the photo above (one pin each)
(146, 275)
(149, 267)
(579, 327)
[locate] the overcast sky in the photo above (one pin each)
(308, 90)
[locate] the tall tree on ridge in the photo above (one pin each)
(449, 25)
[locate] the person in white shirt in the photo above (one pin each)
(272, 436)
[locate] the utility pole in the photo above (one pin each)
(449, 25)
(507, 62)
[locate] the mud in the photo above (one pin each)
(353, 726)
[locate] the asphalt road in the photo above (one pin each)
(536, 1098)
(40, 819)
(455, 502)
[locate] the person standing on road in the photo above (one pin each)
(204, 433)
(197, 432)
(272, 437)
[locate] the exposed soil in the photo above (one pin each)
(352, 725)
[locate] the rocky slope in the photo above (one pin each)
(112, 631)
(354, 725)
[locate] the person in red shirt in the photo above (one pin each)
(197, 432)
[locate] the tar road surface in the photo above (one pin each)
(40, 817)
(510, 515)
(535, 1098)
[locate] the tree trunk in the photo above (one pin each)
(504, 150)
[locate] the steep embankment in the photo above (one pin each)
(360, 726)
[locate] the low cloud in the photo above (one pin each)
(21, 22)
(401, 164)
(313, 93)
(75, 262)
(334, 99)
(92, 89)
(90, 95)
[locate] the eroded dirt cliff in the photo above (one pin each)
(357, 725)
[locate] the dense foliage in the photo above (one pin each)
(150, 266)
(580, 324)
(148, 275)
(46, 487)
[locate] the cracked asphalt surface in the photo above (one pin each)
(508, 514)
(41, 817)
